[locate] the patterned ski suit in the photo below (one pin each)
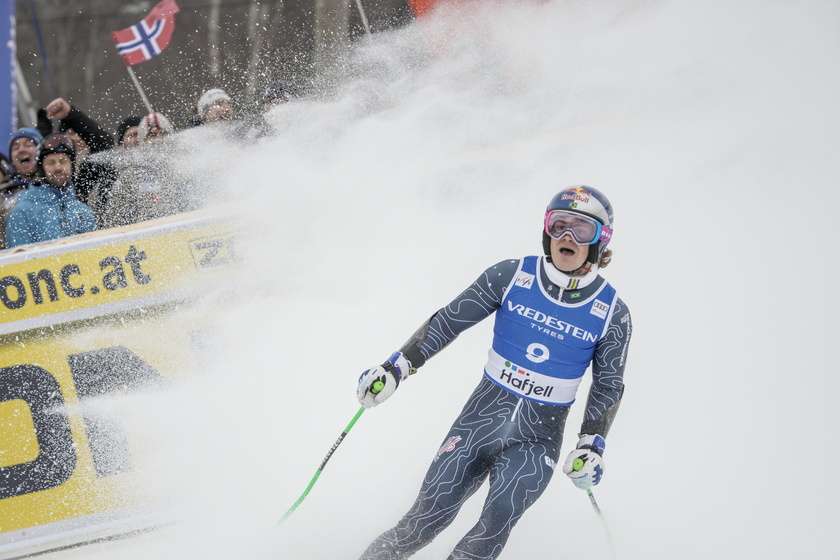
(511, 428)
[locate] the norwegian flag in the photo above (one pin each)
(148, 38)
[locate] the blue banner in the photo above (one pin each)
(7, 79)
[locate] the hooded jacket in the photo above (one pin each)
(43, 213)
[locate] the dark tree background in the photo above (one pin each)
(237, 45)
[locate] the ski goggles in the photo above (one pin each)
(58, 141)
(583, 229)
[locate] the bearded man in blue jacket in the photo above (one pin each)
(49, 209)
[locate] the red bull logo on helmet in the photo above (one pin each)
(581, 198)
(577, 196)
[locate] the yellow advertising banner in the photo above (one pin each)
(103, 271)
(86, 318)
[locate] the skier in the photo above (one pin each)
(555, 316)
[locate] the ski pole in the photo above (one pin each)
(603, 521)
(377, 387)
(577, 465)
(323, 464)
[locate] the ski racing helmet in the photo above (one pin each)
(587, 201)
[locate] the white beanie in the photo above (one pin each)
(209, 97)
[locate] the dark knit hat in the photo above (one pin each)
(127, 123)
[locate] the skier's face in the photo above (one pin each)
(568, 255)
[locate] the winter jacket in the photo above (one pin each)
(44, 212)
(10, 188)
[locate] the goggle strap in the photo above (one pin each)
(606, 234)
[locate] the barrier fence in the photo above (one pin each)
(84, 318)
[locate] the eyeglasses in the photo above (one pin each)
(583, 229)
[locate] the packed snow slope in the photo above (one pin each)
(712, 126)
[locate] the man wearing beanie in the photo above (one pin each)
(22, 146)
(214, 106)
(23, 168)
(49, 209)
(128, 133)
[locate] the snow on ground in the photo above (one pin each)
(713, 128)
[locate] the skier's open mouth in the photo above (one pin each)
(566, 251)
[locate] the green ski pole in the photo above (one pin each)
(603, 521)
(377, 386)
(577, 465)
(323, 464)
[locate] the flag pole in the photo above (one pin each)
(136, 44)
(364, 17)
(139, 88)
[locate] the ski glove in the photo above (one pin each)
(378, 383)
(585, 465)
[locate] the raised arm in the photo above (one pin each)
(94, 134)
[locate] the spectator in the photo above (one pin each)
(214, 106)
(22, 148)
(89, 137)
(128, 133)
(277, 93)
(154, 128)
(17, 173)
(50, 210)
(259, 123)
(149, 185)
